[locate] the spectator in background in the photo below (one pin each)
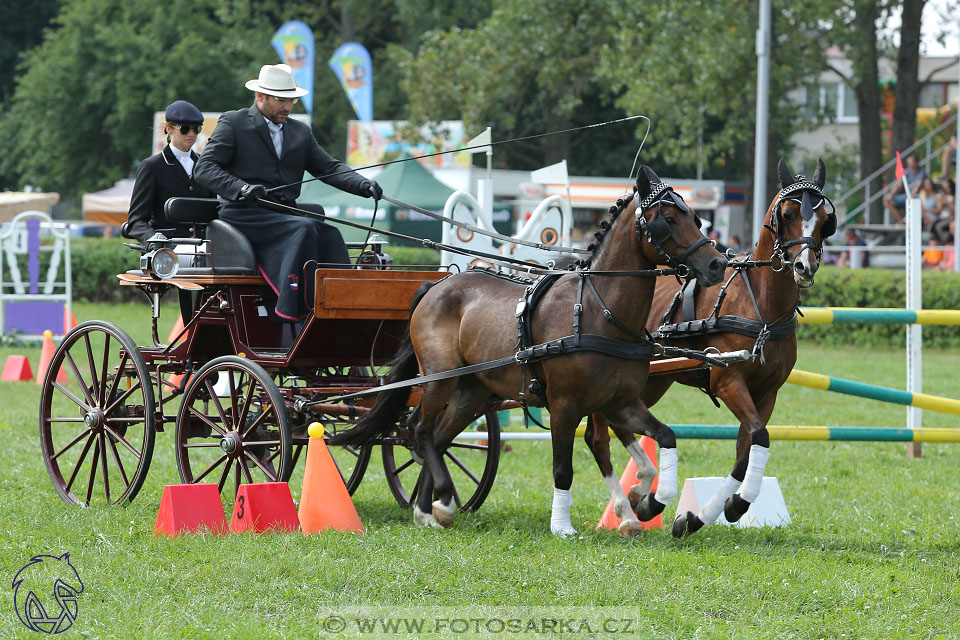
(931, 202)
(933, 256)
(853, 259)
(715, 236)
(736, 244)
(949, 153)
(895, 201)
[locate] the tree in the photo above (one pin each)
(20, 31)
(907, 92)
(692, 68)
(528, 68)
(80, 115)
(852, 25)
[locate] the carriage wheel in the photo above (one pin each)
(233, 426)
(472, 464)
(351, 463)
(99, 423)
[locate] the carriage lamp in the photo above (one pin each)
(159, 260)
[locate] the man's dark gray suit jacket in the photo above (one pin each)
(240, 152)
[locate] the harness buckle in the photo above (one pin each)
(577, 309)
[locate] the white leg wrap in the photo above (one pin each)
(667, 487)
(754, 478)
(712, 510)
(560, 524)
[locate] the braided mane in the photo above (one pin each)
(605, 225)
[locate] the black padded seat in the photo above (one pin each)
(191, 210)
(230, 252)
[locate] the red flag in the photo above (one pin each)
(900, 171)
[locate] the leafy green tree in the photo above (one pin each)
(692, 68)
(81, 112)
(526, 69)
(20, 31)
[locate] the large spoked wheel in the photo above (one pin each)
(472, 465)
(233, 426)
(96, 427)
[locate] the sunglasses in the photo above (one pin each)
(186, 128)
(283, 100)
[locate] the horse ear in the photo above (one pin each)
(783, 173)
(643, 181)
(820, 175)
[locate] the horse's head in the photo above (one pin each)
(800, 221)
(672, 231)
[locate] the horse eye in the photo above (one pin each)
(669, 219)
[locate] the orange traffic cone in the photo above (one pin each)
(69, 320)
(177, 328)
(46, 355)
(324, 501)
(609, 519)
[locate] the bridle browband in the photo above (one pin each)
(658, 230)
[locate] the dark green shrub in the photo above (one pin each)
(879, 288)
(96, 263)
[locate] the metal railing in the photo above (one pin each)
(928, 153)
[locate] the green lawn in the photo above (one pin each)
(873, 550)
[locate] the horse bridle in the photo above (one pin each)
(657, 231)
(800, 192)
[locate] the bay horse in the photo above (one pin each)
(472, 318)
(754, 310)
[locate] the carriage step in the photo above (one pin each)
(190, 508)
(264, 506)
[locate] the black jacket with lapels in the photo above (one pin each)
(240, 152)
(160, 177)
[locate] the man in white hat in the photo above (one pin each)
(260, 148)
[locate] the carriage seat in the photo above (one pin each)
(230, 251)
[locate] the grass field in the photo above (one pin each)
(873, 550)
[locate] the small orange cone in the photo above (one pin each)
(69, 320)
(17, 368)
(46, 355)
(324, 501)
(177, 328)
(609, 519)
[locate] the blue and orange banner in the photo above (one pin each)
(294, 43)
(351, 62)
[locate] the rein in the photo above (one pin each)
(492, 234)
(484, 146)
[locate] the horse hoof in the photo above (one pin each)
(563, 532)
(735, 507)
(636, 495)
(443, 513)
(686, 524)
(422, 519)
(630, 528)
(649, 508)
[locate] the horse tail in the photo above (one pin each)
(390, 404)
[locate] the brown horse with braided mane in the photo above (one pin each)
(472, 318)
(755, 310)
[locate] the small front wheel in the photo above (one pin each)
(97, 420)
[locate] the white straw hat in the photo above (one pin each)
(276, 80)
